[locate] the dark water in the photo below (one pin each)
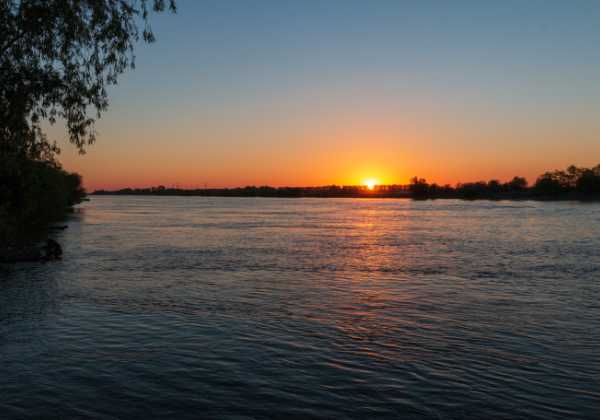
(275, 308)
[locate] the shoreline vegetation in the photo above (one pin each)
(573, 183)
(57, 61)
(34, 194)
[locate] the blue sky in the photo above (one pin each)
(479, 87)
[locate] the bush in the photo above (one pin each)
(32, 194)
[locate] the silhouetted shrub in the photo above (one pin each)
(33, 193)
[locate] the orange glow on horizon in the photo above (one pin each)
(348, 149)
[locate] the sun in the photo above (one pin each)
(370, 183)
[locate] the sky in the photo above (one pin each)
(298, 93)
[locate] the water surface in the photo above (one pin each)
(190, 307)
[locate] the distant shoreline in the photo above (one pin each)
(366, 194)
(580, 184)
(267, 192)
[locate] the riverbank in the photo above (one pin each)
(36, 247)
(356, 192)
(34, 196)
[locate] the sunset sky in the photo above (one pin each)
(278, 92)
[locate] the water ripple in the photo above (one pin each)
(312, 308)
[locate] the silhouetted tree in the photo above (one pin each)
(418, 187)
(517, 184)
(588, 182)
(494, 186)
(56, 59)
(573, 180)
(547, 185)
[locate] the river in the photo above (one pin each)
(207, 307)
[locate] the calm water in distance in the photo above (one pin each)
(192, 307)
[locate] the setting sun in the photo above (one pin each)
(370, 183)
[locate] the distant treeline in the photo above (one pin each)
(572, 183)
(266, 191)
